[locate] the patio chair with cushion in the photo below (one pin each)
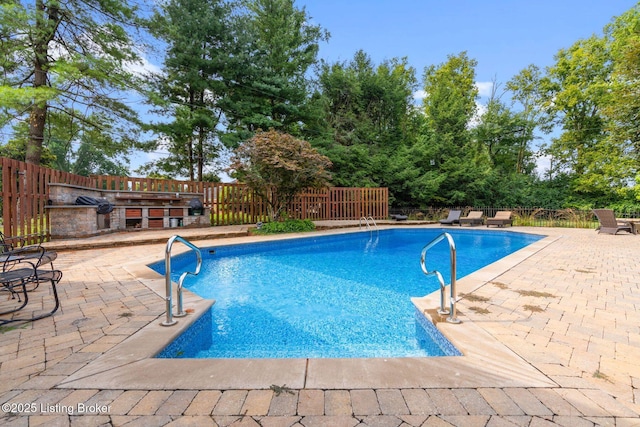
(453, 218)
(473, 218)
(608, 222)
(501, 219)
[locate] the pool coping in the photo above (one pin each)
(485, 362)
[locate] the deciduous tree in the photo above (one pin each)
(506, 135)
(450, 168)
(277, 167)
(622, 105)
(579, 85)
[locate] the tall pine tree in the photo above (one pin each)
(69, 56)
(268, 85)
(199, 39)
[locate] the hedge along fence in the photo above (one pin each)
(25, 194)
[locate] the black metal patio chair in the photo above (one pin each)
(19, 277)
(11, 245)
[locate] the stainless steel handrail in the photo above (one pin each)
(452, 255)
(167, 275)
(366, 221)
(373, 221)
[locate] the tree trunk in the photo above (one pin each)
(46, 24)
(200, 152)
(37, 119)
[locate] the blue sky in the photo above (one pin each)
(504, 36)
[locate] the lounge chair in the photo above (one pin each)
(608, 222)
(501, 219)
(473, 218)
(453, 218)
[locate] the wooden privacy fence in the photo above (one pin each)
(237, 204)
(127, 183)
(25, 194)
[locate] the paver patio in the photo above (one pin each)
(565, 319)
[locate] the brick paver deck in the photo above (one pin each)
(570, 311)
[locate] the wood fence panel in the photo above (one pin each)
(312, 204)
(232, 204)
(31, 199)
(124, 183)
(25, 195)
(355, 203)
(9, 197)
(236, 204)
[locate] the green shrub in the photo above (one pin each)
(286, 226)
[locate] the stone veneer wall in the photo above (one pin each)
(66, 195)
(80, 221)
(68, 220)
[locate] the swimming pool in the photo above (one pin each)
(345, 295)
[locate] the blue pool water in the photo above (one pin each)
(344, 295)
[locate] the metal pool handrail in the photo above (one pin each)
(167, 276)
(452, 256)
(366, 221)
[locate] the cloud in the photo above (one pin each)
(543, 165)
(142, 68)
(481, 109)
(484, 88)
(419, 95)
(477, 117)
